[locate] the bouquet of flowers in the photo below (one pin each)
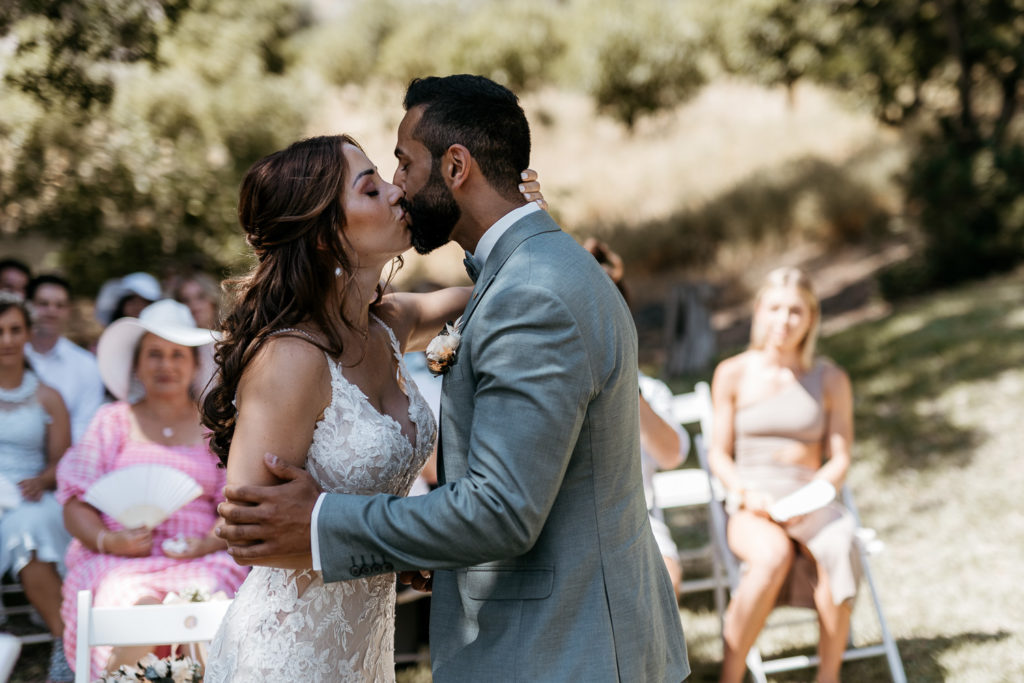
(178, 669)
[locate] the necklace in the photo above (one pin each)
(20, 394)
(168, 432)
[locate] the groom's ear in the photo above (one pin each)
(456, 165)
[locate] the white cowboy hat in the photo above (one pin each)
(168, 319)
(112, 291)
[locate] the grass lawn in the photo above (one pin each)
(938, 472)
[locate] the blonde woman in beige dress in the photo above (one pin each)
(782, 419)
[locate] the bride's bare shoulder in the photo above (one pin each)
(285, 363)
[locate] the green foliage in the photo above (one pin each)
(972, 210)
(149, 179)
(774, 41)
(515, 44)
(66, 49)
(953, 68)
(347, 49)
(634, 59)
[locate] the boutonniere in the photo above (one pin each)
(443, 350)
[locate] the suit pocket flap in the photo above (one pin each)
(499, 583)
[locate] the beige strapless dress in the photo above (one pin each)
(762, 430)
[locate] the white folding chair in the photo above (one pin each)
(188, 622)
(758, 667)
(689, 488)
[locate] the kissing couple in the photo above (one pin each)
(537, 542)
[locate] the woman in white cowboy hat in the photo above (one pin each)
(154, 357)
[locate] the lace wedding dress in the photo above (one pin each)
(288, 625)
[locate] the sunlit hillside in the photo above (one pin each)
(595, 173)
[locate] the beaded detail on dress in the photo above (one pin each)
(288, 625)
(24, 391)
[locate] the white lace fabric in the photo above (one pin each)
(287, 625)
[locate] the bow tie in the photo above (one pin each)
(472, 267)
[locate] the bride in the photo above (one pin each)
(310, 369)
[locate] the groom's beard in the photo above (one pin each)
(434, 213)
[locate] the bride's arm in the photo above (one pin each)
(281, 396)
(418, 318)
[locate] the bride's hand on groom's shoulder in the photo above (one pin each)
(264, 522)
(530, 188)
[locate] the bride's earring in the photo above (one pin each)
(337, 272)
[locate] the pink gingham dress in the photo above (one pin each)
(108, 444)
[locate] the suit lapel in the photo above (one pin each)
(522, 230)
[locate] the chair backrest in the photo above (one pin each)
(694, 407)
(188, 622)
(688, 487)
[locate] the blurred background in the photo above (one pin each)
(879, 144)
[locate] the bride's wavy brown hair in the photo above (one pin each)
(290, 208)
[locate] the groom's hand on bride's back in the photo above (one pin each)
(422, 580)
(265, 523)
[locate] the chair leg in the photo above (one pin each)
(756, 666)
(892, 654)
(719, 576)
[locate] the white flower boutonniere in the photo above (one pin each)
(443, 350)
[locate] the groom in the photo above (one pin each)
(545, 565)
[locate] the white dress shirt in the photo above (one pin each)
(483, 250)
(73, 372)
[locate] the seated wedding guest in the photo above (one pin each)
(34, 433)
(126, 297)
(663, 443)
(59, 362)
(125, 566)
(202, 294)
(14, 276)
(783, 419)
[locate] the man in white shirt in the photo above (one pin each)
(58, 361)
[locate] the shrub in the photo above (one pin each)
(645, 58)
(971, 199)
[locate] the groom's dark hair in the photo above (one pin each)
(482, 115)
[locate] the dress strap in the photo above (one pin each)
(331, 365)
(305, 334)
(395, 346)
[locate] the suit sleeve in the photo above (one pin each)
(533, 385)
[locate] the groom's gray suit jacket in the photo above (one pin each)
(548, 570)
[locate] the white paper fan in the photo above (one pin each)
(808, 498)
(10, 494)
(142, 495)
